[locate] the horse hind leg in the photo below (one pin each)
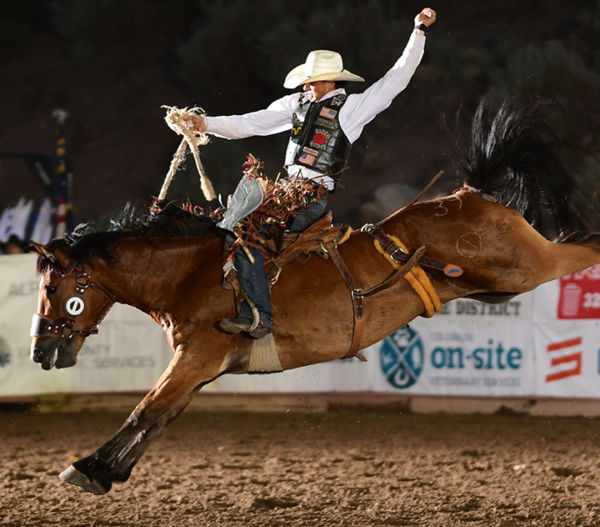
(535, 259)
(571, 257)
(546, 261)
(526, 259)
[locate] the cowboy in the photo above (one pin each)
(324, 122)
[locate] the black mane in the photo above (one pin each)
(86, 241)
(512, 158)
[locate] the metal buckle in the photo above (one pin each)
(393, 255)
(368, 228)
(82, 281)
(356, 292)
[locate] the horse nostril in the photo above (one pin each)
(38, 355)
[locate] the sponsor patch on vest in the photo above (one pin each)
(321, 137)
(296, 125)
(328, 113)
(308, 156)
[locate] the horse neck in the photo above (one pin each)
(147, 274)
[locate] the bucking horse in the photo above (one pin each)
(514, 224)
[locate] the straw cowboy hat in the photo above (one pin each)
(320, 65)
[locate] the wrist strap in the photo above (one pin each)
(421, 27)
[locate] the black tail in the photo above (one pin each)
(511, 158)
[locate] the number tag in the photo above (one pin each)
(75, 305)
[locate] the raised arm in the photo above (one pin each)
(361, 108)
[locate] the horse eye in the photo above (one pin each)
(50, 289)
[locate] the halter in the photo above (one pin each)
(63, 327)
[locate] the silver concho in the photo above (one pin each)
(75, 305)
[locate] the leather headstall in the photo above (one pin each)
(75, 305)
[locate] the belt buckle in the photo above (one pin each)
(393, 255)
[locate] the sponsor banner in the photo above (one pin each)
(546, 303)
(568, 359)
(579, 296)
(567, 325)
(469, 358)
(18, 294)
(349, 375)
(573, 297)
(525, 347)
(464, 309)
(128, 354)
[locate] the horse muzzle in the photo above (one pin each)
(56, 343)
(55, 352)
(44, 351)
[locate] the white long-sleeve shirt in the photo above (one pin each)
(358, 110)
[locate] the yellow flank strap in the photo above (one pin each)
(418, 280)
(345, 236)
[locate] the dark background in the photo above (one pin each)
(112, 64)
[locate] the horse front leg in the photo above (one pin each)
(114, 460)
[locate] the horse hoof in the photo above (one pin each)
(74, 477)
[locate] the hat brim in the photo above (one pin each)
(296, 77)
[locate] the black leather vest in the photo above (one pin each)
(317, 140)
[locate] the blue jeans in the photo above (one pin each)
(252, 275)
(306, 217)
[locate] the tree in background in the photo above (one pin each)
(230, 56)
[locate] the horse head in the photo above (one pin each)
(70, 307)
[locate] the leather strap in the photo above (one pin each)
(357, 295)
(398, 273)
(358, 304)
(399, 256)
(63, 327)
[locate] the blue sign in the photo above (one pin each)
(401, 356)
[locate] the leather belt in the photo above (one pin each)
(357, 295)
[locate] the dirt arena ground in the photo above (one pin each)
(310, 469)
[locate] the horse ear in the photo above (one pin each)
(62, 257)
(60, 254)
(34, 247)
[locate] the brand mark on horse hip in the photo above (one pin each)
(441, 206)
(469, 244)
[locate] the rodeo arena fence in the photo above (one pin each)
(541, 344)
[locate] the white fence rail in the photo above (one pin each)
(541, 344)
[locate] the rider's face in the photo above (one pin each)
(317, 89)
